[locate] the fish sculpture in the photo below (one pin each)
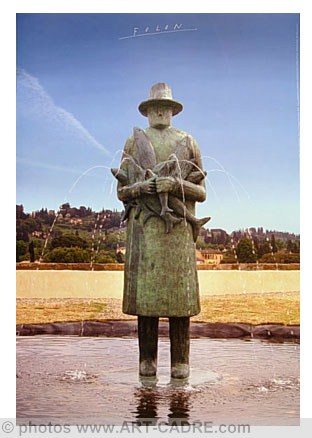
(143, 166)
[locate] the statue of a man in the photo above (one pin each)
(160, 179)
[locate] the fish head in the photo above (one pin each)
(137, 131)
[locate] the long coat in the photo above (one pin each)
(160, 276)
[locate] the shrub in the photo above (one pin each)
(68, 255)
(229, 259)
(280, 257)
(68, 241)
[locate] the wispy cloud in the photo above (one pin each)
(33, 98)
(56, 168)
(47, 166)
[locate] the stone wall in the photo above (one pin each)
(120, 266)
(91, 284)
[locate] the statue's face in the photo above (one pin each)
(159, 116)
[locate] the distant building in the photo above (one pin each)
(39, 234)
(199, 258)
(76, 221)
(209, 256)
(216, 236)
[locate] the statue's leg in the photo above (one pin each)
(179, 347)
(148, 339)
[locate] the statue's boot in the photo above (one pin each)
(179, 330)
(148, 340)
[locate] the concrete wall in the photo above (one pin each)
(88, 284)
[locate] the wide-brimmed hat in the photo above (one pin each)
(160, 94)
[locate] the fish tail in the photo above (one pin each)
(197, 225)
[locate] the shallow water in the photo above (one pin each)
(96, 379)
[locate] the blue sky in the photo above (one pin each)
(79, 84)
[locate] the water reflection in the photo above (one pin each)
(146, 405)
(148, 398)
(179, 407)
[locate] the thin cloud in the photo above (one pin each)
(38, 164)
(33, 99)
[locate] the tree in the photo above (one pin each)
(273, 244)
(201, 244)
(245, 252)
(264, 248)
(280, 257)
(32, 225)
(20, 212)
(22, 234)
(256, 244)
(65, 206)
(31, 250)
(21, 250)
(24, 227)
(295, 248)
(120, 257)
(45, 217)
(280, 244)
(68, 241)
(38, 247)
(229, 258)
(82, 212)
(111, 241)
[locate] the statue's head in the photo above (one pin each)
(160, 106)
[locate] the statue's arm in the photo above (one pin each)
(190, 191)
(133, 190)
(182, 189)
(128, 193)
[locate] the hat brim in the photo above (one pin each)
(177, 107)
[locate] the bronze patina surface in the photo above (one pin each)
(160, 179)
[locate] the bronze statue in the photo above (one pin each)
(160, 179)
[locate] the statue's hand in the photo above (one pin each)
(166, 184)
(148, 187)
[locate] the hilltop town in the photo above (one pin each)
(80, 234)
